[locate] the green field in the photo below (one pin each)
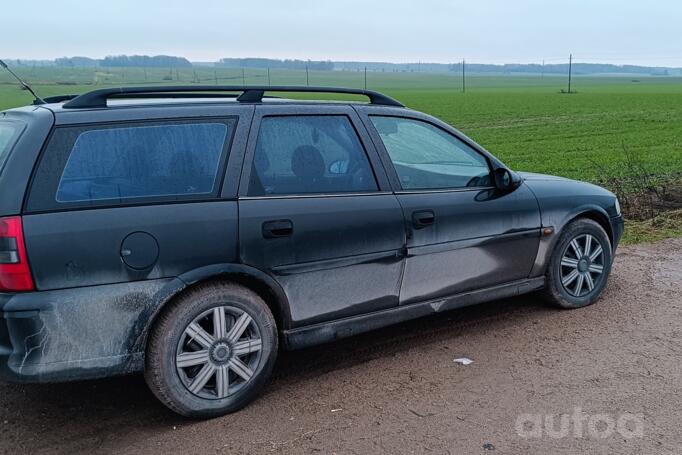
(524, 120)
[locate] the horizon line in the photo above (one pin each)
(472, 61)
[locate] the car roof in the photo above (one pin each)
(110, 97)
(118, 102)
(160, 102)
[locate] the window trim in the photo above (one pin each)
(250, 155)
(14, 140)
(396, 176)
(316, 195)
(231, 121)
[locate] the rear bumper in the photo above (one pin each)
(74, 334)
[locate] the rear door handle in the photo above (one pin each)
(277, 229)
(423, 218)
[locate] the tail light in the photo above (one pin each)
(15, 275)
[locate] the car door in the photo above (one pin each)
(316, 212)
(462, 233)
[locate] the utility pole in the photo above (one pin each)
(307, 77)
(269, 76)
(365, 78)
(243, 77)
(570, 67)
(215, 76)
(464, 84)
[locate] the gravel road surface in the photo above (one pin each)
(603, 379)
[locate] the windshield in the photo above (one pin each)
(9, 133)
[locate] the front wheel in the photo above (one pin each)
(211, 351)
(580, 265)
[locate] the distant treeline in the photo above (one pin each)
(562, 68)
(172, 62)
(312, 65)
(158, 61)
(529, 68)
(118, 61)
(77, 62)
(508, 68)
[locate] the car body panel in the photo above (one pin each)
(337, 239)
(84, 248)
(311, 335)
(78, 333)
(343, 258)
(561, 200)
(354, 263)
(16, 172)
(480, 238)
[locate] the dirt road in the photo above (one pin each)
(614, 370)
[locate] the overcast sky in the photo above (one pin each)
(496, 31)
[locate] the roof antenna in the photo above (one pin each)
(38, 100)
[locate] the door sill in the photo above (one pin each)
(342, 328)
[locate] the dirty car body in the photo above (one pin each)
(371, 238)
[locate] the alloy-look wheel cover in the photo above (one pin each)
(582, 265)
(218, 352)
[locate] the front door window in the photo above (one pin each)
(427, 157)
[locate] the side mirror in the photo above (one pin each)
(506, 180)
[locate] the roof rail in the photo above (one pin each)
(249, 94)
(57, 98)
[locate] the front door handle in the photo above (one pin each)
(423, 218)
(277, 229)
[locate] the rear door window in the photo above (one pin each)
(309, 154)
(132, 163)
(9, 133)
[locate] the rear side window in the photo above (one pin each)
(9, 133)
(309, 155)
(131, 163)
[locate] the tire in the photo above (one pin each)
(225, 368)
(566, 271)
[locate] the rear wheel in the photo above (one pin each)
(580, 265)
(211, 351)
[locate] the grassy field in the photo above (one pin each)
(524, 120)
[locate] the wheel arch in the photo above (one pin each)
(547, 244)
(596, 214)
(261, 283)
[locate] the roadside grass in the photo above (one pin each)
(524, 120)
(663, 226)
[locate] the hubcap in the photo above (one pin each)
(219, 352)
(582, 265)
